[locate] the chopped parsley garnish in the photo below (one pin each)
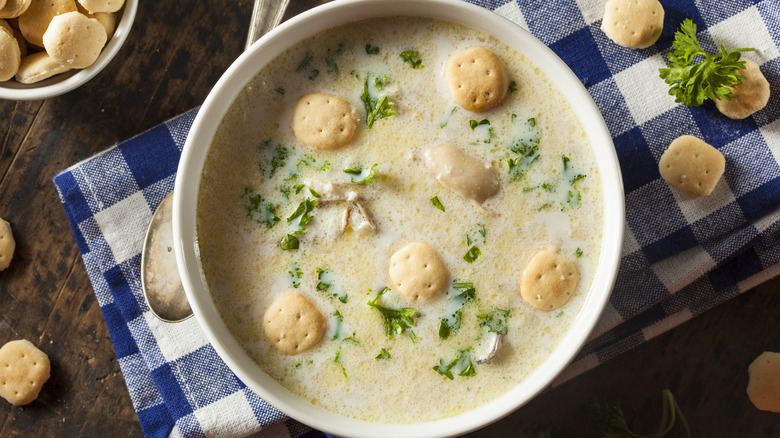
(572, 197)
(412, 57)
(258, 210)
(277, 159)
(578, 253)
(384, 354)
(305, 63)
(711, 78)
(333, 68)
(301, 216)
(461, 365)
(483, 128)
(377, 106)
(313, 193)
(512, 87)
(343, 298)
(436, 203)
(362, 175)
(321, 284)
(559, 314)
(314, 73)
(451, 323)
(325, 166)
(495, 320)
(472, 254)
(397, 321)
(339, 322)
(337, 361)
(295, 274)
(372, 50)
(280, 90)
(527, 147)
(477, 235)
(289, 242)
(447, 119)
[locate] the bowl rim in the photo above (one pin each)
(64, 82)
(221, 97)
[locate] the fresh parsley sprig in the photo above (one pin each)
(713, 77)
(397, 321)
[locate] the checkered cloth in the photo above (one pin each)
(681, 255)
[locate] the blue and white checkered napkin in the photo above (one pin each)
(681, 255)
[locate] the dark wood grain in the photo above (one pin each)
(175, 53)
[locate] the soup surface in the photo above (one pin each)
(379, 362)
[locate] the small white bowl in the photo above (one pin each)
(220, 100)
(62, 83)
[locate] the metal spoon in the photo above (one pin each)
(160, 280)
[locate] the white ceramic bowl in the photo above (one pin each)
(221, 98)
(62, 83)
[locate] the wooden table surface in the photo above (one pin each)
(175, 53)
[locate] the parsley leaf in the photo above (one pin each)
(277, 159)
(495, 320)
(363, 175)
(376, 107)
(461, 364)
(372, 50)
(289, 242)
(397, 321)
(259, 210)
(384, 354)
(472, 254)
(451, 324)
(436, 203)
(412, 57)
(713, 77)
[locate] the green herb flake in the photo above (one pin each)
(339, 322)
(301, 216)
(376, 107)
(337, 361)
(289, 242)
(461, 365)
(713, 77)
(325, 166)
(495, 321)
(343, 298)
(472, 254)
(412, 57)
(295, 274)
(436, 203)
(277, 159)
(258, 210)
(484, 129)
(322, 285)
(362, 175)
(372, 50)
(512, 87)
(383, 354)
(304, 63)
(397, 321)
(280, 90)
(313, 193)
(313, 74)
(578, 253)
(333, 68)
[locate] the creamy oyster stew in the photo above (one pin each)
(275, 214)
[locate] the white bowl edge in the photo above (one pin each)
(209, 118)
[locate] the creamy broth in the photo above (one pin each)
(245, 268)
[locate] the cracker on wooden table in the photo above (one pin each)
(750, 96)
(549, 280)
(23, 371)
(477, 78)
(34, 22)
(323, 121)
(293, 324)
(7, 244)
(635, 24)
(460, 172)
(764, 381)
(692, 166)
(418, 272)
(74, 40)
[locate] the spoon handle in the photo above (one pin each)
(266, 15)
